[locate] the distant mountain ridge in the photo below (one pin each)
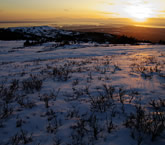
(42, 34)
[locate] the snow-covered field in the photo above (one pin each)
(82, 94)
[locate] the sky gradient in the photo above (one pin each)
(136, 10)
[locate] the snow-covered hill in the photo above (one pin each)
(79, 89)
(43, 34)
(95, 95)
(36, 29)
(45, 31)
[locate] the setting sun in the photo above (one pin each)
(136, 10)
(139, 13)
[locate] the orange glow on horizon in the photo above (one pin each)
(137, 10)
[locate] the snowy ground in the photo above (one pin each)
(84, 94)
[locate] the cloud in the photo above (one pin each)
(109, 13)
(146, 2)
(111, 4)
(66, 10)
(1, 11)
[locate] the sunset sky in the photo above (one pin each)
(136, 10)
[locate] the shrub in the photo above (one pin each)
(31, 84)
